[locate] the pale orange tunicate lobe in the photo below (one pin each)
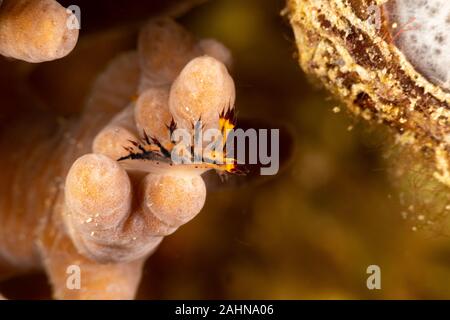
(174, 199)
(98, 202)
(164, 48)
(116, 135)
(35, 30)
(203, 90)
(152, 113)
(97, 186)
(111, 141)
(101, 221)
(115, 86)
(215, 49)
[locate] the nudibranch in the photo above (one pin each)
(388, 61)
(122, 193)
(36, 30)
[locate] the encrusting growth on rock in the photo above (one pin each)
(123, 193)
(35, 30)
(361, 51)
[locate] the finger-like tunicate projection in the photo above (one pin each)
(98, 217)
(152, 109)
(215, 49)
(174, 199)
(202, 91)
(111, 139)
(35, 30)
(98, 186)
